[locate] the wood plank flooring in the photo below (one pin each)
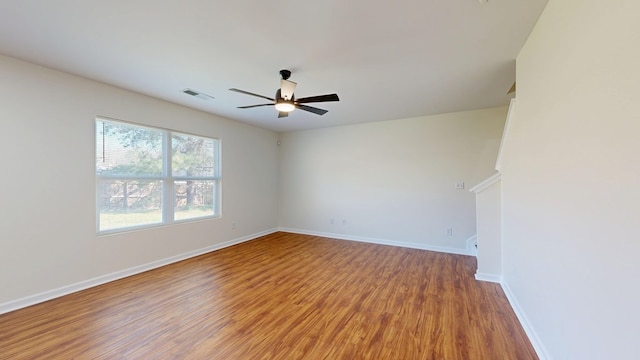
(282, 296)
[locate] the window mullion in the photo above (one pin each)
(168, 203)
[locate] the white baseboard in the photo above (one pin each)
(379, 241)
(528, 329)
(489, 277)
(82, 285)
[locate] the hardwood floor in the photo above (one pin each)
(282, 296)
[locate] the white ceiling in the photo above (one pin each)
(385, 59)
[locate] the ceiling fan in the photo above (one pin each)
(285, 101)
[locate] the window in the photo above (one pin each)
(147, 176)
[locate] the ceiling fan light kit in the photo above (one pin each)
(285, 101)
(285, 106)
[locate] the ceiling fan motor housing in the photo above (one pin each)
(280, 98)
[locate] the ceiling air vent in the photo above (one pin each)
(198, 94)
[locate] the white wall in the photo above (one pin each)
(47, 188)
(489, 229)
(392, 181)
(571, 181)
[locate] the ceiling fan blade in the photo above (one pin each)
(312, 109)
(282, 114)
(252, 106)
(287, 88)
(250, 93)
(319, 98)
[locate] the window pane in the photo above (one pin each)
(194, 198)
(123, 149)
(124, 203)
(192, 156)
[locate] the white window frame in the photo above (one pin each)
(166, 178)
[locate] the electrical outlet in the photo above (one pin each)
(449, 231)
